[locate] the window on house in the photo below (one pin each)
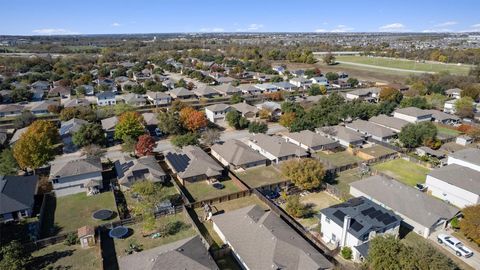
(55, 181)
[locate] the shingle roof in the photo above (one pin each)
(192, 161)
(17, 192)
(284, 85)
(370, 128)
(470, 155)
(109, 123)
(309, 138)
(227, 89)
(71, 126)
(205, 91)
(10, 107)
(18, 133)
(156, 95)
(139, 169)
(342, 133)
(237, 153)
(442, 116)
(277, 146)
(220, 107)
(185, 254)
(244, 108)
(106, 95)
(405, 200)
(79, 166)
(413, 111)
(150, 119)
(459, 176)
(389, 122)
(60, 90)
(365, 91)
(181, 92)
(264, 241)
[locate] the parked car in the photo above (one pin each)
(455, 245)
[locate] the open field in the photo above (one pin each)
(201, 190)
(402, 65)
(261, 176)
(61, 256)
(404, 171)
(338, 158)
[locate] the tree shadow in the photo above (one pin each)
(50, 258)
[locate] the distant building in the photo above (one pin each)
(311, 141)
(216, 112)
(413, 115)
(275, 148)
(106, 98)
(235, 154)
(17, 197)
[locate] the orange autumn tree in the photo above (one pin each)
(192, 119)
(145, 145)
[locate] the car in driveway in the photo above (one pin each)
(455, 245)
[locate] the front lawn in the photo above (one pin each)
(201, 190)
(257, 177)
(61, 256)
(75, 211)
(338, 158)
(404, 171)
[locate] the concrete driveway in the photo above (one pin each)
(473, 261)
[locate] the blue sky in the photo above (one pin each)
(41, 17)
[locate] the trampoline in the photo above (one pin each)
(118, 232)
(102, 214)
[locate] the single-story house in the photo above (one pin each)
(420, 212)
(444, 118)
(40, 107)
(181, 93)
(286, 86)
(108, 125)
(192, 164)
(151, 122)
(367, 94)
(217, 112)
(399, 87)
(310, 140)
(345, 136)
(274, 108)
(158, 98)
(449, 106)
(60, 91)
(464, 140)
(298, 73)
(227, 90)
(135, 99)
(455, 184)
(249, 89)
(260, 239)
(77, 102)
(469, 157)
(67, 128)
(37, 94)
(169, 83)
(224, 80)
(301, 82)
(40, 85)
(10, 110)
(267, 88)
(144, 168)
(395, 124)
(205, 92)
(71, 176)
(17, 196)
(427, 151)
(246, 110)
(275, 148)
(413, 114)
(236, 154)
(372, 130)
(106, 98)
(455, 93)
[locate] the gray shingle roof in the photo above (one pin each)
(180, 92)
(150, 119)
(442, 116)
(185, 254)
(342, 133)
(78, 166)
(192, 161)
(144, 168)
(156, 95)
(405, 200)
(218, 107)
(277, 146)
(310, 138)
(71, 126)
(237, 153)
(227, 89)
(413, 111)
(109, 123)
(106, 95)
(18, 133)
(389, 122)
(205, 91)
(244, 108)
(365, 91)
(264, 241)
(370, 129)
(459, 176)
(16, 192)
(470, 155)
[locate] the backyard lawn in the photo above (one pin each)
(447, 131)
(338, 158)
(167, 191)
(201, 190)
(61, 256)
(317, 201)
(377, 151)
(185, 230)
(404, 171)
(75, 211)
(261, 176)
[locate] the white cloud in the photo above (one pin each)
(473, 28)
(254, 26)
(476, 26)
(116, 24)
(437, 30)
(392, 27)
(54, 31)
(214, 29)
(341, 29)
(320, 30)
(444, 24)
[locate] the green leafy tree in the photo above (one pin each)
(418, 102)
(88, 134)
(346, 253)
(128, 145)
(329, 59)
(470, 223)
(390, 94)
(331, 76)
(296, 208)
(257, 127)
(120, 108)
(353, 81)
(169, 122)
(304, 173)
(314, 90)
(464, 107)
(185, 139)
(13, 256)
(414, 135)
(23, 120)
(81, 112)
(236, 120)
(8, 164)
(130, 124)
(236, 98)
(80, 91)
(21, 94)
(383, 253)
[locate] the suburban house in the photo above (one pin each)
(285, 86)
(395, 124)
(246, 110)
(216, 112)
(444, 118)
(413, 115)
(310, 140)
(158, 98)
(275, 148)
(228, 90)
(426, 151)
(17, 196)
(320, 80)
(106, 98)
(205, 92)
(186, 254)
(345, 136)
(135, 99)
(249, 89)
(108, 125)
(371, 130)
(273, 107)
(420, 212)
(40, 85)
(301, 82)
(298, 73)
(237, 155)
(181, 93)
(192, 164)
(72, 176)
(455, 93)
(449, 106)
(341, 84)
(469, 157)
(399, 87)
(10, 110)
(260, 239)
(40, 107)
(464, 140)
(455, 184)
(170, 84)
(267, 88)
(368, 94)
(67, 128)
(355, 222)
(89, 90)
(37, 94)
(60, 91)
(224, 80)
(279, 69)
(143, 168)
(76, 102)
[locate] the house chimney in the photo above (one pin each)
(346, 225)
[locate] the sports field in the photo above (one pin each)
(401, 64)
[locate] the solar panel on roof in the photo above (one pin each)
(339, 214)
(388, 220)
(355, 225)
(375, 213)
(178, 161)
(368, 211)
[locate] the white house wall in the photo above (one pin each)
(453, 194)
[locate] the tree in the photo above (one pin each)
(80, 90)
(88, 134)
(236, 120)
(464, 107)
(418, 102)
(470, 223)
(185, 139)
(472, 91)
(23, 120)
(145, 145)
(236, 98)
(314, 90)
(82, 112)
(331, 76)
(130, 124)
(192, 119)
(475, 72)
(13, 256)
(169, 123)
(210, 136)
(414, 135)
(296, 208)
(8, 164)
(275, 96)
(21, 94)
(54, 108)
(390, 94)
(329, 59)
(36, 146)
(128, 145)
(305, 173)
(177, 105)
(353, 81)
(264, 113)
(383, 253)
(120, 108)
(346, 253)
(257, 127)
(287, 119)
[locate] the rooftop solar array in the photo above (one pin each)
(178, 161)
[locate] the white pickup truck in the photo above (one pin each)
(455, 245)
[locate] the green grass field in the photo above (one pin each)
(407, 65)
(261, 176)
(201, 190)
(338, 158)
(447, 131)
(61, 256)
(404, 171)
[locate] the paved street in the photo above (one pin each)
(473, 261)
